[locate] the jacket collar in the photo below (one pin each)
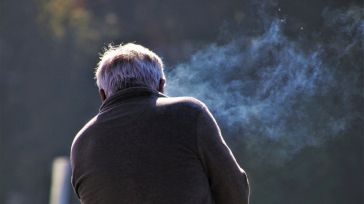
(128, 93)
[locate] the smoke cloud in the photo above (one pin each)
(278, 95)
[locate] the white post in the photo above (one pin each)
(61, 178)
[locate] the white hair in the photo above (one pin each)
(128, 65)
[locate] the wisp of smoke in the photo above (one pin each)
(273, 89)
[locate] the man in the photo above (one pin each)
(144, 147)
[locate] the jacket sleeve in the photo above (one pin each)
(228, 182)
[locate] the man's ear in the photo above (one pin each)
(162, 82)
(102, 94)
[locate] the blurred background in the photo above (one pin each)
(284, 79)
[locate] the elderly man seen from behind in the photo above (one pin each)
(144, 147)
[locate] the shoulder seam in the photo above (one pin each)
(200, 111)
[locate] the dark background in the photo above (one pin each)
(48, 49)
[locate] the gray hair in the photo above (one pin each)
(128, 65)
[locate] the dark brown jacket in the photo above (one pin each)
(143, 147)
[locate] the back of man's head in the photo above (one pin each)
(128, 65)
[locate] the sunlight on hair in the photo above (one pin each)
(126, 65)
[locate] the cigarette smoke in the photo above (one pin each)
(277, 94)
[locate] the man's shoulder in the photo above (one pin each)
(183, 102)
(86, 128)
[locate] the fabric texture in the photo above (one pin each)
(144, 148)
